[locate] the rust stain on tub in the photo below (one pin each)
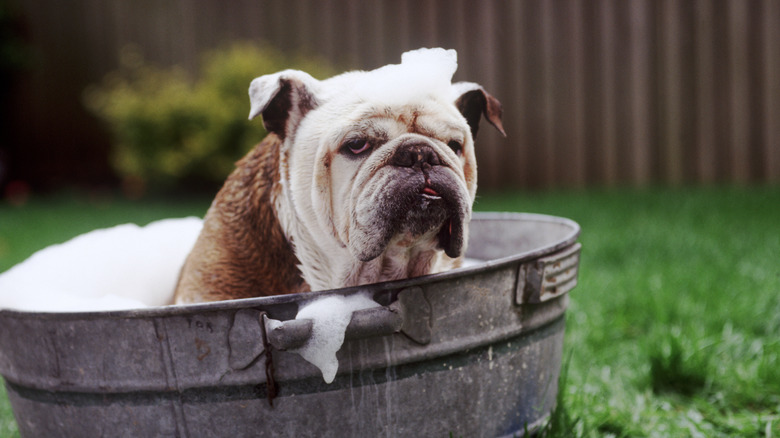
(203, 348)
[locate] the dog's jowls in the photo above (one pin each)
(363, 177)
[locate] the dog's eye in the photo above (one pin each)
(456, 147)
(357, 147)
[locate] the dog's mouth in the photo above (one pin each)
(449, 236)
(417, 206)
(430, 193)
(433, 208)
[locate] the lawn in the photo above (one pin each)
(673, 330)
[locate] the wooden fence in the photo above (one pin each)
(596, 92)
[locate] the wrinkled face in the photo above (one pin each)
(381, 173)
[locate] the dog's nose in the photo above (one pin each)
(415, 155)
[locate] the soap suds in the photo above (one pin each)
(330, 316)
(422, 74)
(118, 268)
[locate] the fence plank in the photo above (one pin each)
(576, 58)
(705, 88)
(512, 92)
(770, 11)
(671, 91)
(739, 90)
(607, 65)
(640, 17)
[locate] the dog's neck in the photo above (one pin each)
(402, 259)
(327, 264)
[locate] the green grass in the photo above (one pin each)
(673, 330)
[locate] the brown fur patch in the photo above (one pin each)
(242, 251)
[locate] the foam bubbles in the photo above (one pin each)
(122, 267)
(437, 62)
(422, 73)
(330, 316)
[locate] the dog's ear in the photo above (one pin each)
(473, 101)
(283, 99)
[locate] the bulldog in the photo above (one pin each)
(365, 177)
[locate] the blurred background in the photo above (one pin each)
(145, 94)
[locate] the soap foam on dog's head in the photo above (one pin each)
(422, 74)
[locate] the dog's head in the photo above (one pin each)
(379, 158)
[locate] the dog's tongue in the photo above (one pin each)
(451, 238)
(428, 190)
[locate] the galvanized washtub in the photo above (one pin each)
(471, 352)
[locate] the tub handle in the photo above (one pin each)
(410, 315)
(548, 277)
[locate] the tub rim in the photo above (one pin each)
(376, 288)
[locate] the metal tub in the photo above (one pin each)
(470, 352)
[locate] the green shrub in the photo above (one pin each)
(171, 130)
